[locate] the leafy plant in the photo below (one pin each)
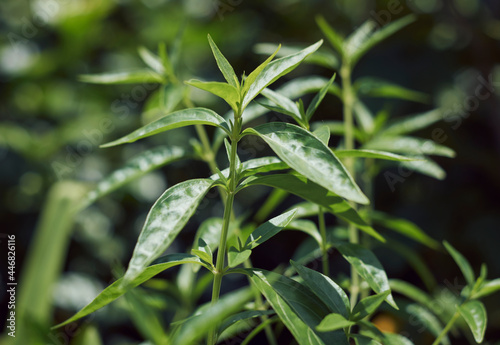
(316, 307)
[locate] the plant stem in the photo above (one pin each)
(446, 328)
(324, 242)
(348, 99)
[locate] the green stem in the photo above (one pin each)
(324, 241)
(348, 99)
(446, 328)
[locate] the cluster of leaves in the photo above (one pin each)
(312, 305)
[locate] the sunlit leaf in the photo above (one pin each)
(474, 314)
(165, 220)
(306, 154)
(462, 263)
(270, 228)
(313, 106)
(224, 65)
(252, 77)
(337, 128)
(373, 154)
(117, 289)
(306, 226)
(181, 118)
(396, 339)
(323, 134)
(285, 103)
(409, 145)
(375, 87)
(368, 305)
(152, 60)
(322, 57)
(136, 167)
(425, 165)
(412, 123)
(225, 91)
(488, 288)
(333, 322)
(132, 77)
(277, 69)
(368, 267)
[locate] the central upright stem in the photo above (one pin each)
(348, 98)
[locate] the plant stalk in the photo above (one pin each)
(447, 328)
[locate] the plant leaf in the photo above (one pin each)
(337, 128)
(162, 102)
(368, 267)
(313, 106)
(269, 229)
(335, 39)
(474, 314)
(277, 69)
(151, 60)
(488, 288)
(165, 220)
(462, 263)
(132, 77)
(412, 123)
(326, 289)
(181, 118)
(404, 227)
(225, 91)
(244, 315)
(117, 289)
(133, 169)
(364, 117)
(396, 339)
(409, 145)
(325, 58)
(306, 189)
(373, 154)
(333, 322)
(252, 77)
(375, 87)
(412, 292)
(306, 226)
(224, 65)
(236, 257)
(368, 305)
(425, 166)
(306, 154)
(323, 134)
(283, 102)
(427, 320)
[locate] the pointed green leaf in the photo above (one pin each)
(311, 109)
(252, 77)
(225, 91)
(256, 166)
(337, 128)
(404, 227)
(363, 340)
(133, 169)
(204, 251)
(196, 327)
(210, 231)
(323, 134)
(488, 288)
(313, 192)
(396, 339)
(426, 166)
(364, 117)
(306, 226)
(132, 77)
(335, 39)
(181, 118)
(373, 154)
(409, 145)
(326, 289)
(427, 320)
(275, 70)
(333, 322)
(167, 63)
(355, 40)
(306, 154)
(412, 123)
(269, 229)
(236, 257)
(284, 102)
(324, 57)
(165, 220)
(375, 87)
(372, 39)
(462, 263)
(281, 110)
(242, 316)
(151, 60)
(117, 289)
(162, 102)
(412, 292)
(368, 267)
(368, 305)
(474, 314)
(224, 65)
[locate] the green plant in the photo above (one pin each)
(314, 307)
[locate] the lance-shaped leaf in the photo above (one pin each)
(224, 65)
(225, 91)
(337, 128)
(165, 220)
(326, 289)
(368, 40)
(368, 305)
(396, 339)
(252, 77)
(286, 106)
(368, 267)
(409, 145)
(332, 322)
(336, 40)
(133, 77)
(488, 288)
(364, 117)
(307, 226)
(311, 109)
(462, 263)
(306, 189)
(474, 314)
(306, 154)
(428, 320)
(373, 154)
(426, 166)
(413, 293)
(412, 123)
(404, 227)
(269, 229)
(374, 87)
(277, 69)
(181, 118)
(323, 134)
(299, 309)
(255, 166)
(133, 169)
(243, 316)
(323, 57)
(117, 289)
(151, 60)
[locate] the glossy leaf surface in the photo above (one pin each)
(133, 77)
(462, 263)
(368, 305)
(224, 65)
(409, 145)
(333, 322)
(225, 91)
(269, 229)
(373, 154)
(474, 314)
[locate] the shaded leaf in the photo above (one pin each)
(474, 314)
(224, 65)
(236, 257)
(322, 57)
(333, 322)
(165, 220)
(323, 134)
(313, 106)
(368, 305)
(409, 145)
(117, 289)
(307, 155)
(368, 267)
(426, 166)
(244, 315)
(488, 288)
(413, 122)
(181, 118)
(412, 292)
(252, 77)
(364, 117)
(375, 87)
(151, 60)
(269, 229)
(427, 320)
(373, 154)
(462, 263)
(336, 40)
(132, 77)
(306, 226)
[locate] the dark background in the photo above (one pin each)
(45, 113)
